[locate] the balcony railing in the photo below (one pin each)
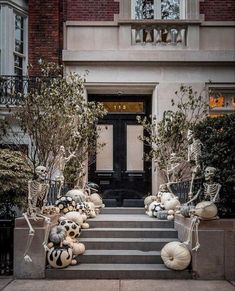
(160, 33)
(13, 89)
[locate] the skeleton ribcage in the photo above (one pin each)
(210, 190)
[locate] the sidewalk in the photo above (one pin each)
(115, 285)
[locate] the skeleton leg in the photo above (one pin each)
(27, 258)
(47, 231)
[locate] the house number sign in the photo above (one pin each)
(128, 107)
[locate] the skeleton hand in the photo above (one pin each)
(27, 259)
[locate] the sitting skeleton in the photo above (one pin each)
(37, 199)
(211, 188)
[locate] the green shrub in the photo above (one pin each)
(15, 172)
(218, 138)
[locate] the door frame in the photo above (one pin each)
(147, 99)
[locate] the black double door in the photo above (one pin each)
(120, 169)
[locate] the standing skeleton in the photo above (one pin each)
(60, 162)
(194, 155)
(37, 199)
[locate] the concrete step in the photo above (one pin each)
(143, 244)
(120, 257)
(128, 221)
(129, 233)
(117, 271)
(123, 210)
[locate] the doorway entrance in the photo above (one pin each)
(120, 168)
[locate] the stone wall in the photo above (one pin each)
(215, 258)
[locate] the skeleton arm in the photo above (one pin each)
(216, 197)
(30, 206)
(194, 197)
(45, 198)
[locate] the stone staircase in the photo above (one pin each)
(123, 243)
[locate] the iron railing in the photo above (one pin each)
(181, 189)
(53, 190)
(6, 249)
(13, 89)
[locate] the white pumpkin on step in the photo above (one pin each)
(176, 256)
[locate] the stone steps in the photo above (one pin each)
(120, 257)
(123, 210)
(129, 233)
(117, 271)
(123, 243)
(143, 244)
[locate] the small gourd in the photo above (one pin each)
(78, 249)
(185, 210)
(162, 214)
(176, 256)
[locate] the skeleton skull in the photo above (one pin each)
(41, 172)
(209, 173)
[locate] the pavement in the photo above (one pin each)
(9, 284)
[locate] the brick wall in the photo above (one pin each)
(218, 10)
(92, 10)
(44, 32)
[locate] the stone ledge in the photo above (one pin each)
(215, 258)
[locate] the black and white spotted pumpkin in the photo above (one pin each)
(72, 229)
(84, 207)
(60, 257)
(157, 207)
(65, 204)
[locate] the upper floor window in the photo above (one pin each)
(221, 100)
(158, 9)
(19, 44)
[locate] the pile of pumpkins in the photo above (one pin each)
(75, 208)
(162, 206)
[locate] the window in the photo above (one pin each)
(19, 45)
(221, 100)
(158, 9)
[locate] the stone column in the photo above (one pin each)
(35, 269)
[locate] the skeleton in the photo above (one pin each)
(211, 189)
(37, 199)
(60, 163)
(172, 168)
(194, 155)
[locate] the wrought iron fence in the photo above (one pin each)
(181, 189)
(53, 190)
(6, 249)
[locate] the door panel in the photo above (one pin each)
(120, 169)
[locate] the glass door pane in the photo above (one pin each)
(104, 156)
(135, 148)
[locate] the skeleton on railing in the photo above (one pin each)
(194, 155)
(37, 199)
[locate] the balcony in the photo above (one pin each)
(13, 89)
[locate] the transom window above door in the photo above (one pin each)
(158, 9)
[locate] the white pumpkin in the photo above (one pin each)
(75, 217)
(85, 225)
(77, 195)
(166, 196)
(176, 256)
(148, 200)
(171, 204)
(205, 210)
(170, 217)
(97, 200)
